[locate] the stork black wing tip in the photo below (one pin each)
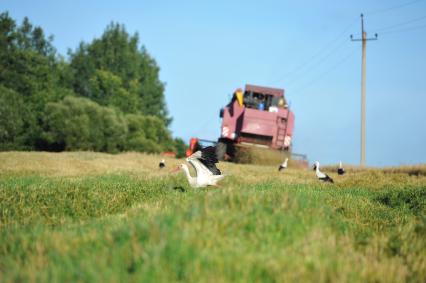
(209, 154)
(327, 179)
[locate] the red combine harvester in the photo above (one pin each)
(255, 117)
(258, 116)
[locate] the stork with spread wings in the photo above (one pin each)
(204, 163)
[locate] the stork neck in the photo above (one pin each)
(191, 179)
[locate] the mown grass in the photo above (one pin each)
(92, 217)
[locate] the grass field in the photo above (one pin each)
(92, 217)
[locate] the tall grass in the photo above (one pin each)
(92, 217)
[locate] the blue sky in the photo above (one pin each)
(206, 49)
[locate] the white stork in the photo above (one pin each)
(340, 170)
(283, 165)
(162, 164)
(320, 175)
(203, 161)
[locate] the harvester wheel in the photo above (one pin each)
(221, 150)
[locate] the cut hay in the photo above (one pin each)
(246, 154)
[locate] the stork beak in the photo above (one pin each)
(175, 170)
(314, 167)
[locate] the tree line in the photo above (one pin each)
(106, 96)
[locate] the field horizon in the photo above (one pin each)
(97, 217)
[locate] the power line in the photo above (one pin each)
(393, 8)
(405, 29)
(319, 62)
(312, 58)
(401, 24)
(339, 63)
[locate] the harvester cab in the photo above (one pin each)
(260, 101)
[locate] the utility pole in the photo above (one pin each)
(364, 40)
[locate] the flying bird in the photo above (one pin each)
(340, 170)
(283, 165)
(203, 161)
(320, 175)
(162, 164)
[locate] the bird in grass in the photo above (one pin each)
(179, 189)
(340, 170)
(203, 161)
(162, 164)
(320, 175)
(283, 165)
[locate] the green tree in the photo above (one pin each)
(28, 67)
(117, 53)
(148, 134)
(107, 97)
(12, 113)
(108, 89)
(80, 124)
(180, 147)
